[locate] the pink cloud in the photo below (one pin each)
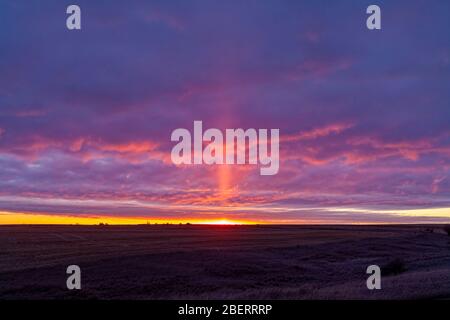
(318, 68)
(317, 132)
(87, 149)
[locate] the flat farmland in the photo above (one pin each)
(224, 262)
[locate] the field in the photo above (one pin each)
(224, 262)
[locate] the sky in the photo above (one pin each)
(86, 116)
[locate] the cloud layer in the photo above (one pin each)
(86, 116)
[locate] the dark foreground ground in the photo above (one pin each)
(224, 262)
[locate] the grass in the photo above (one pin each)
(394, 267)
(447, 229)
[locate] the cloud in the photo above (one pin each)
(317, 132)
(89, 116)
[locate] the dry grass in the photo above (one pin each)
(447, 229)
(393, 267)
(204, 262)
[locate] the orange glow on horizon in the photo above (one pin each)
(224, 222)
(7, 218)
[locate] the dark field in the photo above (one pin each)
(224, 262)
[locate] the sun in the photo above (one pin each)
(222, 222)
